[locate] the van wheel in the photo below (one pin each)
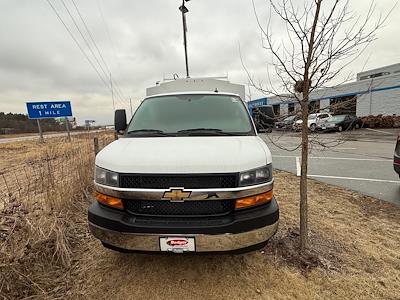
(313, 127)
(340, 128)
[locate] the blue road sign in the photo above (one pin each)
(44, 110)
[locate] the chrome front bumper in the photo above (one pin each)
(204, 242)
(195, 194)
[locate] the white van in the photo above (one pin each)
(190, 174)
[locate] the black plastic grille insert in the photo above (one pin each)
(185, 181)
(186, 208)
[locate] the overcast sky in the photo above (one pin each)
(141, 42)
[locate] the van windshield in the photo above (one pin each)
(199, 115)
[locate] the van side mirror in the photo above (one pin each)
(120, 120)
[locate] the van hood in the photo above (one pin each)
(168, 155)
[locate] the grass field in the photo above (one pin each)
(46, 251)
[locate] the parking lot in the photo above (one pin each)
(360, 160)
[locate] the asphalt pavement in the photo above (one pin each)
(360, 160)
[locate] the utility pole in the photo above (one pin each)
(130, 103)
(184, 10)
(112, 92)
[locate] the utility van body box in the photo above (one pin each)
(197, 85)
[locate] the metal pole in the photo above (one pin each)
(40, 131)
(67, 126)
(370, 97)
(184, 37)
(112, 92)
(96, 145)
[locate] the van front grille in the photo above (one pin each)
(186, 208)
(167, 181)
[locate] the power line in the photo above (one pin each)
(105, 25)
(118, 90)
(77, 43)
(110, 40)
(106, 74)
(83, 37)
(91, 36)
(108, 85)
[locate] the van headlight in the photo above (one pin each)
(106, 177)
(256, 176)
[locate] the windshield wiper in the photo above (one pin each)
(149, 131)
(207, 131)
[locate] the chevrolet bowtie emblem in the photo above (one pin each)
(176, 194)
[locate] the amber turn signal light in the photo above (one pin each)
(254, 200)
(110, 201)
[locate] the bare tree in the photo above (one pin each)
(322, 37)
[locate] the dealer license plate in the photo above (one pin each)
(177, 244)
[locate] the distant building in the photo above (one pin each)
(374, 92)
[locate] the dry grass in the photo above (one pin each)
(354, 252)
(44, 191)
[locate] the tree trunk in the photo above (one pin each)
(304, 134)
(303, 176)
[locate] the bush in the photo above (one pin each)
(381, 121)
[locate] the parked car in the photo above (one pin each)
(396, 158)
(264, 118)
(286, 123)
(314, 120)
(340, 123)
(357, 122)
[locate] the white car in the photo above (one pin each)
(190, 174)
(314, 121)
